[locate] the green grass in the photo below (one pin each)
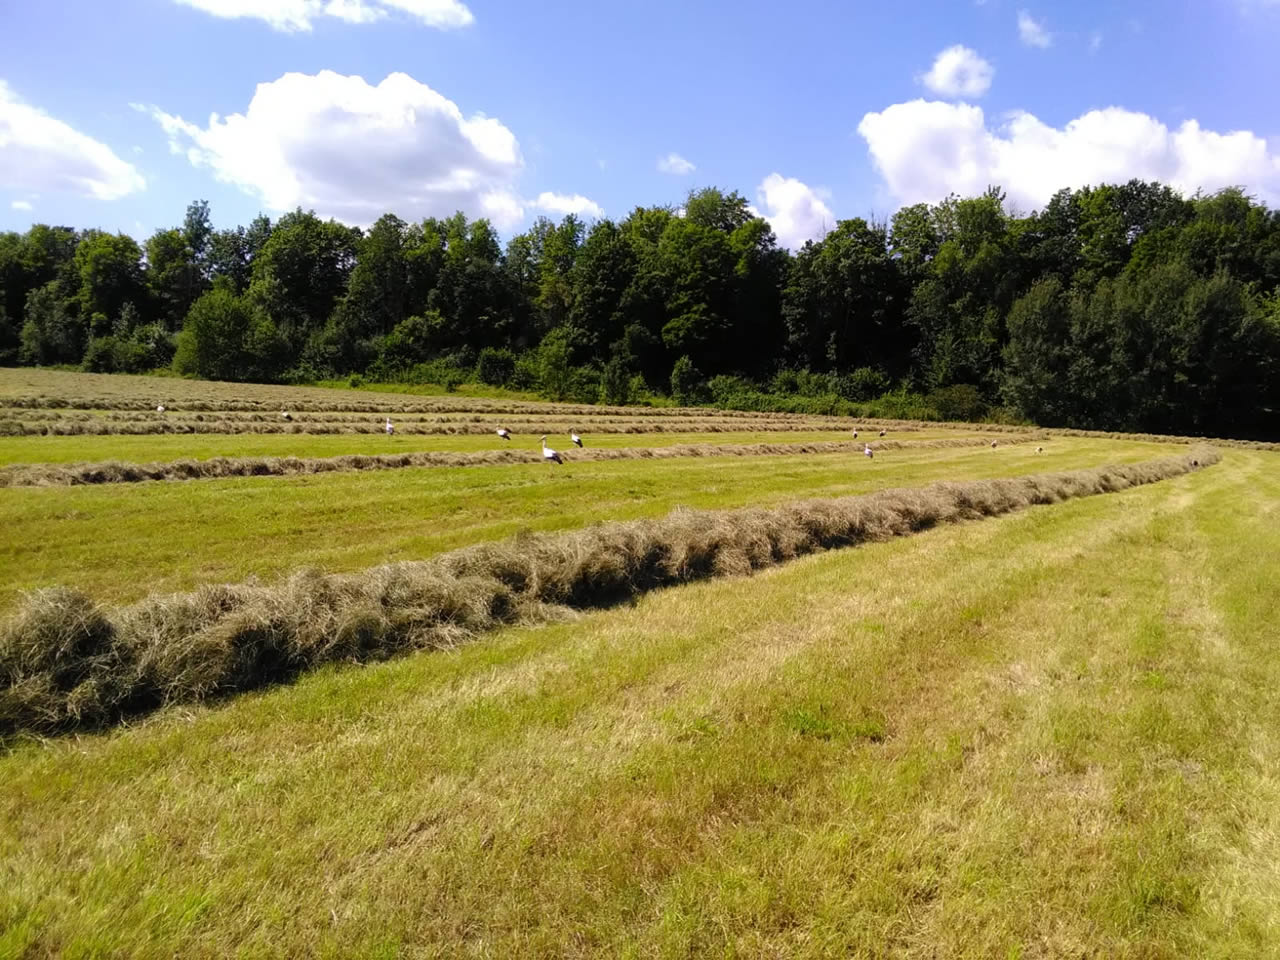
(121, 541)
(145, 448)
(1049, 734)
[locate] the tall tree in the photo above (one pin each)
(110, 273)
(377, 293)
(231, 252)
(716, 210)
(471, 290)
(174, 276)
(197, 233)
(300, 273)
(843, 306)
(603, 271)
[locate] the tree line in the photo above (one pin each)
(1123, 306)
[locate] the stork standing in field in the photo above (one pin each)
(390, 429)
(285, 415)
(993, 444)
(866, 451)
(549, 456)
(160, 409)
(1039, 449)
(577, 440)
(882, 433)
(504, 433)
(855, 434)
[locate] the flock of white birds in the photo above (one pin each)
(551, 456)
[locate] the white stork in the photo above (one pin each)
(1039, 449)
(504, 433)
(390, 428)
(160, 409)
(285, 415)
(549, 456)
(576, 439)
(993, 444)
(882, 433)
(855, 434)
(866, 450)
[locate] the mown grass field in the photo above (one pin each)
(1052, 733)
(122, 541)
(204, 446)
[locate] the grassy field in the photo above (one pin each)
(67, 388)
(1050, 734)
(203, 446)
(121, 541)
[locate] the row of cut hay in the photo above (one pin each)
(84, 423)
(904, 425)
(114, 471)
(37, 421)
(31, 417)
(67, 662)
(164, 426)
(56, 423)
(322, 401)
(1170, 438)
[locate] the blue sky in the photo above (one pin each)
(814, 111)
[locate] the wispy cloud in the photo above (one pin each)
(298, 15)
(675, 165)
(1032, 32)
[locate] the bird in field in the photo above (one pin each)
(855, 434)
(390, 429)
(160, 409)
(576, 439)
(866, 450)
(504, 433)
(993, 444)
(285, 415)
(882, 433)
(1039, 449)
(549, 455)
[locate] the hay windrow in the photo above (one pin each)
(112, 471)
(162, 425)
(269, 399)
(33, 419)
(24, 417)
(67, 662)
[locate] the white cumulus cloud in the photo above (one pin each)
(21, 205)
(563, 203)
(927, 149)
(959, 72)
(353, 151)
(39, 152)
(796, 211)
(293, 15)
(675, 164)
(1032, 32)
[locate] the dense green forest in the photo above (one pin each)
(1116, 307)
